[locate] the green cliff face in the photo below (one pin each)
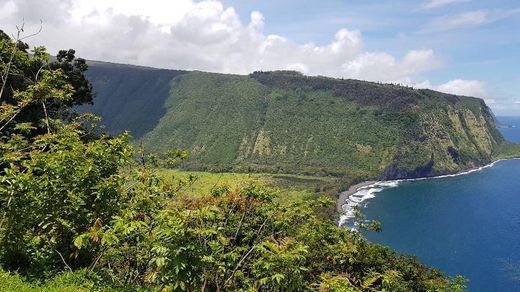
(129, 97)
(287, 122)
(450, 134)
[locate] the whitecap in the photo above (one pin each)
(362, 194)
(359, 197)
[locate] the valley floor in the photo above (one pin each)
(293, 187)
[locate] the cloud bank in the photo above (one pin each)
(208, 36)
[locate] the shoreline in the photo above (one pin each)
(344, 196)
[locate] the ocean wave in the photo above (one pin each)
(362, 194)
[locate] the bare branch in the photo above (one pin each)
(63, 260)
(38, 74)
(33, 34)
(93, 265)
(46, 118)
(239, 263)
(12, 118)
(17, 39)
(247, 254)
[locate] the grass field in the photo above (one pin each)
(290, 187)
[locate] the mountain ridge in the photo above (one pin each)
(284, 121)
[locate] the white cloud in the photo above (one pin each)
(506, 107)
(474, 88)
(439, 3)
(467, 19)
(464, 87)
(257, 21)
(381, 66)
(159, 12)
(185, 34)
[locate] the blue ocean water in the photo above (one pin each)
(512, 133)
(467, 225)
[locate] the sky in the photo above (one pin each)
(467, 47)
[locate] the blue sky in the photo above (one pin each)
(467, 47)
(486, 49)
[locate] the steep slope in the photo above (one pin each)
(129, 97)
(286, 122)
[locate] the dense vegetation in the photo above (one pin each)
(141, 92)
(83, 211)
(285, 122)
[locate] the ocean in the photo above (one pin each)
(513, 132)
(467, 224)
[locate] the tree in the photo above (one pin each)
(22, 69)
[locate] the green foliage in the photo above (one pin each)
(244, 241)
(507, 150)
(245, 126)
(32, 88)
(68, 187)
(285, 122)
(78, 281)
(129, 98)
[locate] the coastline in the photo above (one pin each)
(345, 196)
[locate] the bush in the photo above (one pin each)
(78, 281)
